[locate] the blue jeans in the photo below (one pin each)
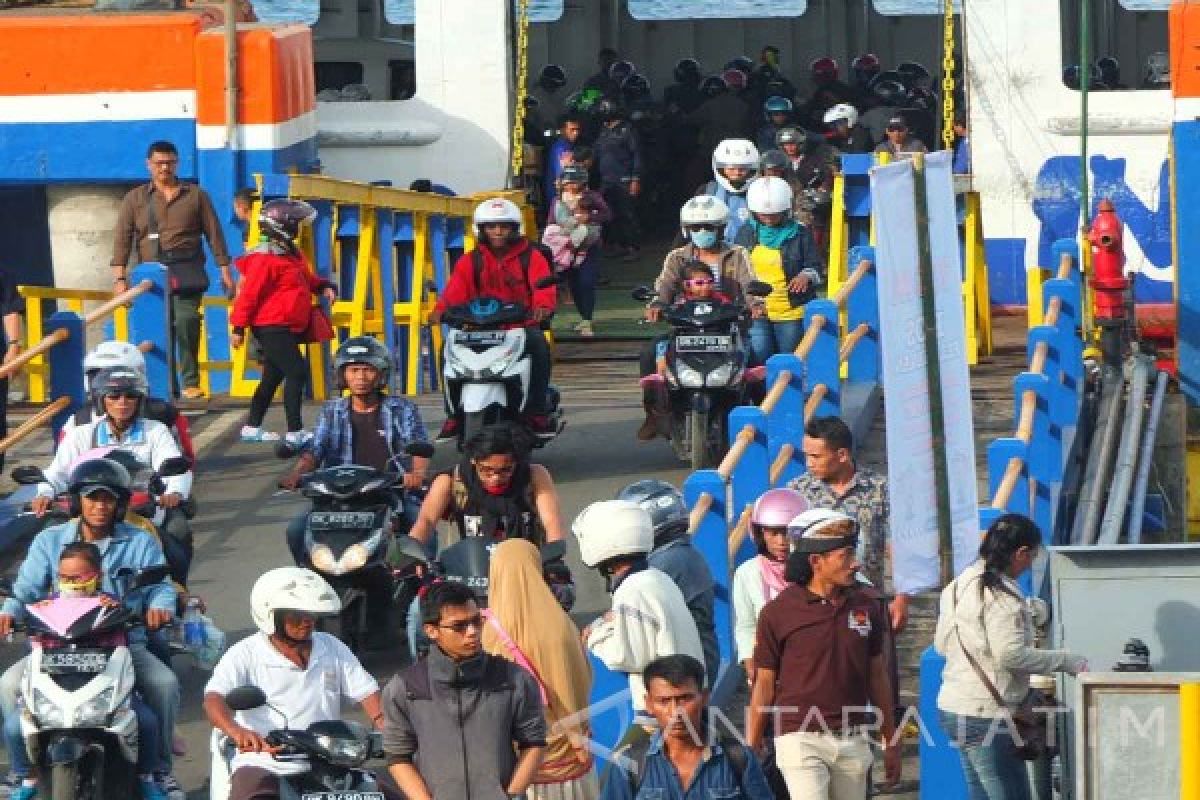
(768, 338)
(989, 757)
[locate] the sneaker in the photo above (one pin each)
(252, 434)
(24, 792)
(166, 781)
(151, 790)
(585, 329)
(449, 430)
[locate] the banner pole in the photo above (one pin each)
(933, 372)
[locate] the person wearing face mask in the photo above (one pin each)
(703, 221)
(782, 254)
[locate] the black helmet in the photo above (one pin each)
(621, 70)
(913, 75)
(363, 350)
(865, 67)
(635, 86)
(552, 77)
(687, 70)
(114, 381)
(713, 85)
(741, 64)
(890, 93)
(574, 173)
(789, 135)
(102, 474)
(772, 159)
(664, 503)
(607, 109)
(922, 98)
(281, 220)
(1110, 70)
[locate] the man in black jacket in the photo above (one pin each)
(459, 694)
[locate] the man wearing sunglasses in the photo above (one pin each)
(900, 143)
(459, 694)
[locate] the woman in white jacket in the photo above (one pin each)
(758, 580)
(983, 613)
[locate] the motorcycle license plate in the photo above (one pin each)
(341, 520)
(342, 796)
(485, 338)
(74, 662)
(703, 343)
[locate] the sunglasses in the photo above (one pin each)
(493, 472)
(698, 282)
(702, 227)
(464, 625)
(895, 128)
(124, 396)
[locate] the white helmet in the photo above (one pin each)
(734, 153)
(114, 354)
(842, 111)
(607, 529)
(810, 523)
(498, 209)
(704, 209)
(769, 195)
(290, 589)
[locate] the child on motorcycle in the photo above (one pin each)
(698, 284)
(80, 574)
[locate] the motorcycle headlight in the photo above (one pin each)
(353, 558)
(344, 751)
(723, 375)
(322, 558)
(47, 713)
(689, 378)
(95, 712)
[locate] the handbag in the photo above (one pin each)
(1031, 719)
(319, 328)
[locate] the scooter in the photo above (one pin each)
(76, 695)
(486, 372)
(706, 375)
(333, 750)
(348, 532)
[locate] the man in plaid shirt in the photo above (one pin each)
(835, 482)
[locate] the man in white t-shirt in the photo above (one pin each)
(306, 675)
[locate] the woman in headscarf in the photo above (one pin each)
(526, 625)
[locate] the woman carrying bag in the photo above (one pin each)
(275, 300)
(985, 630)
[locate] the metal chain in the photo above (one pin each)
(518, 134)
(948, 76)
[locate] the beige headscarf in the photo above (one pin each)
(528, 611)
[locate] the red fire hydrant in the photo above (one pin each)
(1108, 260)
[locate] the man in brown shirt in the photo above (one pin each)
(820, 662)
(167, 219)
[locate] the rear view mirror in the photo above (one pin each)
(284, 450)
(245, 698)
(174, 466)
(643, 294)
(758, 289)
(28, 475)
(150, 576)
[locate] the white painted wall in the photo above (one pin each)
(456, 130)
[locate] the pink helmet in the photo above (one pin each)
(777, 507)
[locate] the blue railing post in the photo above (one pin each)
(1070, 347)
(711, 538)
(862, 305)
(749, 478)
(1044, 463)
(823, 364)
(785, 423)
(347, 239)
(66, 364)
(148, 321)
(1071, 248)
(999, 453)
(385, 233)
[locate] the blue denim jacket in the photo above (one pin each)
(129, 546)
(715, 777)
(332, 444)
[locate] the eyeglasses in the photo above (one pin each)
(896, 128)
(124, 396)
(77, 579)
(698, 282)
(169, 162)
(464, 625)
(702, 227)
(495, 472)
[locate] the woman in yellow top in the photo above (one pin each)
(526, 625)
(782, 254)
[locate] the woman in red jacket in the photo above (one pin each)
(275, 301)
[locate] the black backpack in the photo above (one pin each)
(637, 750)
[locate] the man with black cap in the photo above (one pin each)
(827, 634)
(899, 142)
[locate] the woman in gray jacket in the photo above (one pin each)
(983, 616)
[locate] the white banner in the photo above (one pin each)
(911, 487)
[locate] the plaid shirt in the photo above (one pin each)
(866, 500)
(332, 443)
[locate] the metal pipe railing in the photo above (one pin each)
(738, 534)
(35, 422)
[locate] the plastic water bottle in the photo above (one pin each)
(193, 624)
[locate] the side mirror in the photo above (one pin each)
(284, 450)
(245, 698)
(758, 289)
(174, 466)
(420, 449)
(643, 294)
(28, 475)
(150, 576)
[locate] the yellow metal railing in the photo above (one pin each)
(37, 370)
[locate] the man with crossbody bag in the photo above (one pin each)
(167, 219)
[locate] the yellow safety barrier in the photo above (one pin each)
(1189, 741)
(37, 370)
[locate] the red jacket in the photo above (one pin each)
(504, 279)
(276, 290)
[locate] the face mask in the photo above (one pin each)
(703, 239)
(496, 490)
(85, 588)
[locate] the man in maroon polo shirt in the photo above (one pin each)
(821, 667)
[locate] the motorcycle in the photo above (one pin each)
(76, 693)
(334, 751)
(486, 372)
(706, 375)
(348, 532)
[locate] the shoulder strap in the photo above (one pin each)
(991, 687)
(517, 653)
(152, 221)
(416, 680)
(737, 755)
(477, 265)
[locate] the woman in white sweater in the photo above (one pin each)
(983, 613)
(758, 580)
